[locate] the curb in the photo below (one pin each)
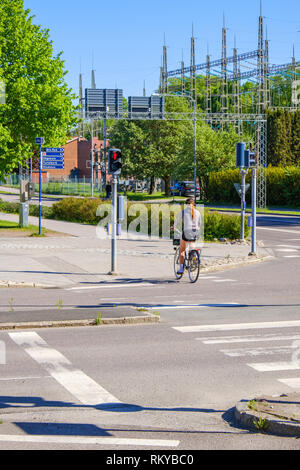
(247, 418)
(150, 318)
(5, 284)
(242, 262)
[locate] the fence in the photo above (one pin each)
(80, 186)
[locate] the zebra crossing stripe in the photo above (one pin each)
(81, 386)
(237, 326)
(292, 382)
(275, 366)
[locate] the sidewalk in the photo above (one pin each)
(81, 256)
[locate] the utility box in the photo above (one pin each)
(23, 190)
(23, 215)
(121, 208)
(30, 190)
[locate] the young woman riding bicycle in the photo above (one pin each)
(188, 224)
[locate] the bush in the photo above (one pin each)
(283, 186)
(84, 211)
(76, 210)
(223, 226)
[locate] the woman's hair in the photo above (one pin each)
(191, 202)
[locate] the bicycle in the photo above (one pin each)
(191, 263)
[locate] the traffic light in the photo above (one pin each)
(114, 161)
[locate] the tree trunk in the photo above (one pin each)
(152, 185)
(167, 185)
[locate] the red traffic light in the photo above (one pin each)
(114, 161)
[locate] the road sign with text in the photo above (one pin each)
(53, 158)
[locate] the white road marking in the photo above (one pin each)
(85, 389)
(159, 307)
(292, 256)
(257, 351)
(224, 280)
(167, 307)
(286, 250)
(246, 339)
(113, 286)
(278, 230)
(110, 441)
(7, 379)
(289, 246)
(275, 366)
(207, 277)
(293, 382)
(237, 326)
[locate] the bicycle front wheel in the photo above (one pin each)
(176, 264)
(194, 265)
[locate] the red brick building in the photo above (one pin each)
(77, 161)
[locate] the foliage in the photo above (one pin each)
(38, 102)
(215, 150)
(223, 226)
(150, 148)
(283, 137)
(283, 186)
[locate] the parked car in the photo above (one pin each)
(185, 188)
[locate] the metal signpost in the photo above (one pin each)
(52, 158)
(40, 141)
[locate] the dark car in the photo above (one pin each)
(185, 188)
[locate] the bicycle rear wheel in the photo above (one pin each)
(194, 265)
(176, 264)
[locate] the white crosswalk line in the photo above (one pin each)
(275, 366)
(79, 440)
(293, 382)
(289, 246)
(85, 389)
(246, 339)
(289, 349)
(237, 326)
(287, 250)
(244, 352)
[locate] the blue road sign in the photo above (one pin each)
(39, 140)
(53, 158)
(59, 158)
(53, 149)
(54, 167)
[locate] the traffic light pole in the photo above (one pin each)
(92, 160)
(243, 203)
(253, 197)
(114, 227)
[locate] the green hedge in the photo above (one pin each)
(83, 211)
(283, 186)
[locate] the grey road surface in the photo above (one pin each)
(171, 385)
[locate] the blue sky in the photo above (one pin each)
(123, 39)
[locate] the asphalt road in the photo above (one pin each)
(171, 385)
